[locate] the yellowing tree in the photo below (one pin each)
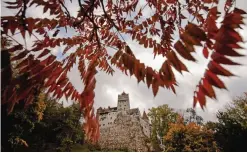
(190, 137)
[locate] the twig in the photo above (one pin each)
(85, 13)
(106, 15)
(67, 11)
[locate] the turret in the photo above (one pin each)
(144, 116)
(123, 102)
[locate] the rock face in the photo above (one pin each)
(127, 133)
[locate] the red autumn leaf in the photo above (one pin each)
(171, 1)
(195, 31)
(183, 51)
(194, 101)
(23, 94)
(167, 72)
(208, 88)
(205, 52)
(20, 56)
(14, 48)
(149, 75)
(67, 87)
(201, 99)
(239, 11)
(226, 50)
(175, 62)
(155, 86)
(214, 80)
(45, 52)
(23, 63)
(173, 89)
(218, 58)
(218, 69)
(190, 39)
(50, 81)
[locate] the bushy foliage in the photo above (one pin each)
(43, 126)
(19, 124)
(231, 128)
(189, 137)
(160, 118)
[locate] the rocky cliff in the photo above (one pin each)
(127, 133)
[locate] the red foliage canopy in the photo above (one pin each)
(97, 32)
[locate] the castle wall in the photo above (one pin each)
(122, 127)
(146, 127)
(107, 119)
(127, 132)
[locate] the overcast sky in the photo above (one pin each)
(108, 87)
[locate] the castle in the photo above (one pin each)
(122, 126)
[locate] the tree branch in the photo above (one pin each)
(67, 11)
(106, 15)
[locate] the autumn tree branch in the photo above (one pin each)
(107, 17)
(67, 11)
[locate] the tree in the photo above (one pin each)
(60, 129)
(189, 137)
(20, 124)
(44, 126)
(12, 131)
(231, 128)
(193, 117)
(100, 25)
(160, 118)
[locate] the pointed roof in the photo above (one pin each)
(124, 93)
(144, 115)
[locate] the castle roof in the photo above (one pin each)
(106, 110)
(123, 93)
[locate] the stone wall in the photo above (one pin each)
(146, 127)
(127, 133)
(107, 119)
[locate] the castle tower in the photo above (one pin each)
(123, 102)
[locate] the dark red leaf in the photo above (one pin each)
(45, 52)
(205, 52)
(214, 80)
(183, 51)
(155, 86)
(218, 69)
(209, 89)
(221, 59)
(20, 56)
